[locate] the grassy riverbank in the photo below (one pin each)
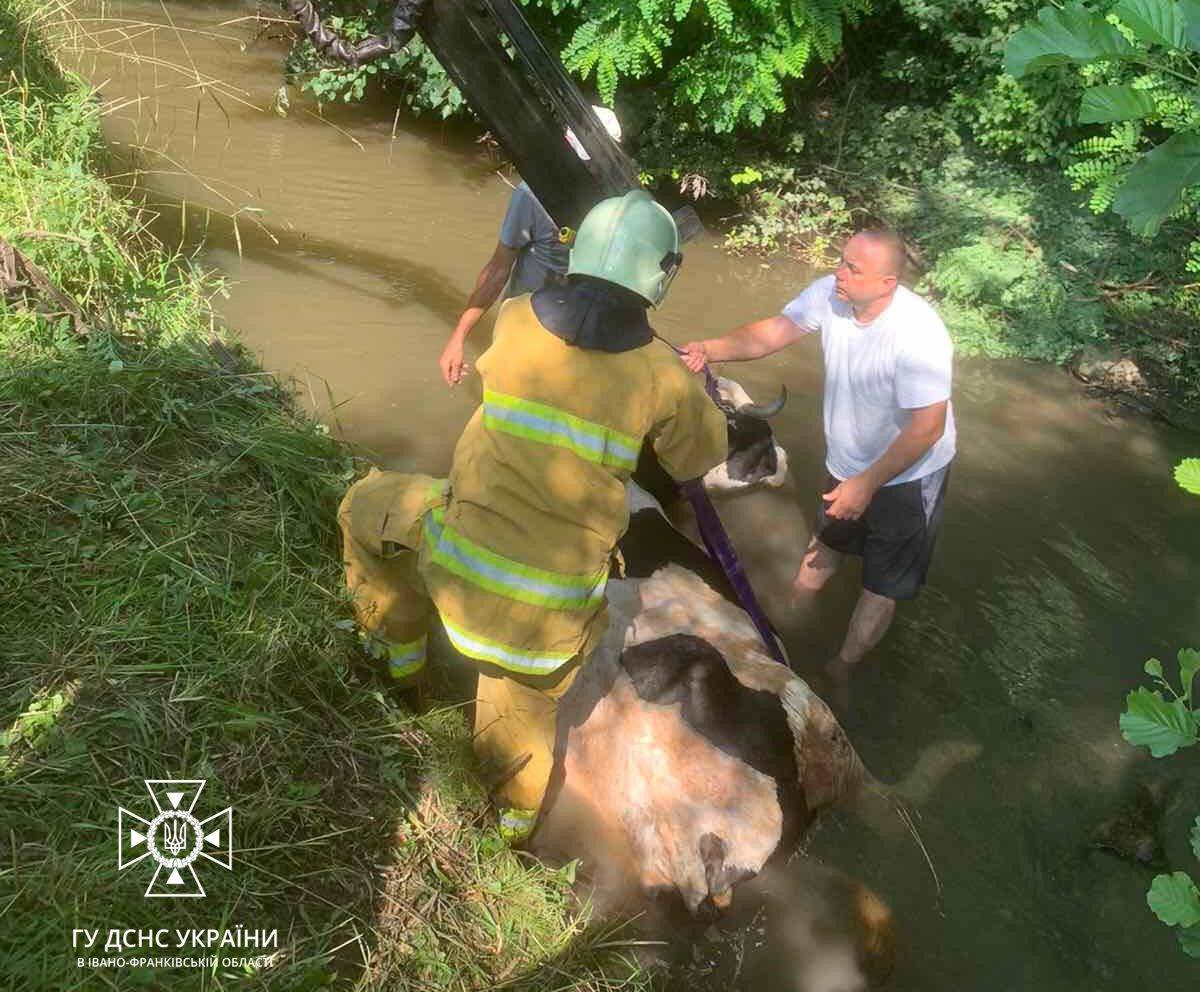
(172, 609)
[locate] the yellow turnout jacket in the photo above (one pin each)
(517, 558)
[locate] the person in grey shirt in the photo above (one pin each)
(889, 427)
(528, 255)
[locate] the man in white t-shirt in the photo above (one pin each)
(889, 427)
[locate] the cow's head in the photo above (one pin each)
(754, 456)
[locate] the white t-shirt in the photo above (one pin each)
(875, 374)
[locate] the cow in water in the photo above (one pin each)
(756, 496)
(688, 761)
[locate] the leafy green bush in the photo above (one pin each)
(716, 64)
(996, 282)
(724, 61)
(949, 58)
(1136, 62)
(1165, 725)
(807, 218)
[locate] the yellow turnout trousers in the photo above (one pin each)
(380, 523)
(515, 725)
(382, 519)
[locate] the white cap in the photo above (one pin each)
(611, 125)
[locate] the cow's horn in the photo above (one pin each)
(768, 411)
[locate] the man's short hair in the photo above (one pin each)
(897, 254)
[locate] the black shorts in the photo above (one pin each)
(894, 537)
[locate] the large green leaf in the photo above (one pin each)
(1102, 104)
(1154, 22)
(1189, 940)
(1073, 34)
(1150, 721)
(1190, 11)
(1175, 899)
(1154, 186)
(1187, 474)
(1189, 665)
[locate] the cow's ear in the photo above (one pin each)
(712, 856)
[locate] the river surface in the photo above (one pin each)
(350, 240)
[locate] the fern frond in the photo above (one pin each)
(721, 13)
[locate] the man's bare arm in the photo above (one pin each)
(924, 429)
(754, 340)
(488, 286)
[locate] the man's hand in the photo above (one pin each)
(695, 355)
(849, 500)
(451, 362)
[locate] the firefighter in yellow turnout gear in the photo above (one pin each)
(513, 551)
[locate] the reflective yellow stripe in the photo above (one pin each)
(508, 578)
(505, 656)
(406, 657)
(549, 425)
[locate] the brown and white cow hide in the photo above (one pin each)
(642, 793)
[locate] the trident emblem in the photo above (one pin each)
(174, 838)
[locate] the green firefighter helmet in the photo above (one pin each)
(629, 240)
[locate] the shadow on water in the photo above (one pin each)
(1067, 555)
(328, 264)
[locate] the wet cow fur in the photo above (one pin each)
(686, 757)
(749, 725)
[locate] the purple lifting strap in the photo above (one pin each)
(720, 549)
(716, 540)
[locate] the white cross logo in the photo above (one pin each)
(175, 838)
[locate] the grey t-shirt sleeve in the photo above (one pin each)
(809, 308)
(519, 220)
(925, 368)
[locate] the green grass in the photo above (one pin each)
(172, 608)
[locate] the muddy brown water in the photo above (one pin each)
(1067, 556)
